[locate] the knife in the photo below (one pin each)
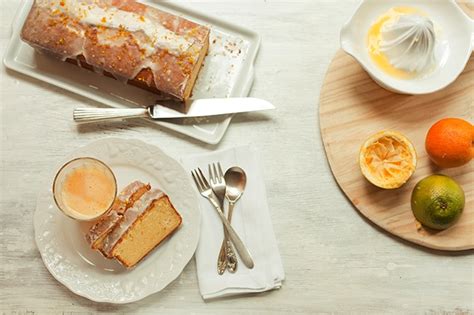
(198, 108)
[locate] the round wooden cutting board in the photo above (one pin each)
(353, 107)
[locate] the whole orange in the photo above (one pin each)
(449, 142)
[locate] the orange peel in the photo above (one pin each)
(387, 159)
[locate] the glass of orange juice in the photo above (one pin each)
(84, 188)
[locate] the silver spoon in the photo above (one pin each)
(235, 179)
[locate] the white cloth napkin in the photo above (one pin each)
(251, 220)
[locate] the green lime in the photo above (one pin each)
(437, 201)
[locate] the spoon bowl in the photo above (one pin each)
(235, 179)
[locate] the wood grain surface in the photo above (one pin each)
(353, 107)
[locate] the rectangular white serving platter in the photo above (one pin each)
(228, 71)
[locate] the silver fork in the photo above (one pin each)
(226, 258)
(206, 191)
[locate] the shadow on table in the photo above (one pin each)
(405, 242)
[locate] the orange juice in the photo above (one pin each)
(84, 188)
(374, 38)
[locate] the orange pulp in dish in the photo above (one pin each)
(375, 37)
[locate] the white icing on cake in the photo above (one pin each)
(90, 13)
(127, 193)
(106, 223)
(102, 227)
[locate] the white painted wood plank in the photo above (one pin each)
(334, 260)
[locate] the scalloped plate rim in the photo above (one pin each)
(52, 271)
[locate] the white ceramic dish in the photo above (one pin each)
(454, 47)
(67, 255)
(227, 72)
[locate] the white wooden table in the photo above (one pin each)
(335, 261)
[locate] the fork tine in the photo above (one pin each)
(214, 167)
(221, 174)
(199, 177)
(197, 181)
(203, 179)
(211, 175)
(194, 174)
(194, 179)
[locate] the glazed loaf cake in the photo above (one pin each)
(124, 39)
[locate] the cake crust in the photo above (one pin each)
(123, 39)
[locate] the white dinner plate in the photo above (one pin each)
(227, 72)
(66, 253)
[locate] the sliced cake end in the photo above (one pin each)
(156, 223)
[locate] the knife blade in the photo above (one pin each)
(198, 108)
(212, 107)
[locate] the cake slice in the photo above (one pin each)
(124, 200)
(145, 225)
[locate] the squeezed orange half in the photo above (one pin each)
(387, 159)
